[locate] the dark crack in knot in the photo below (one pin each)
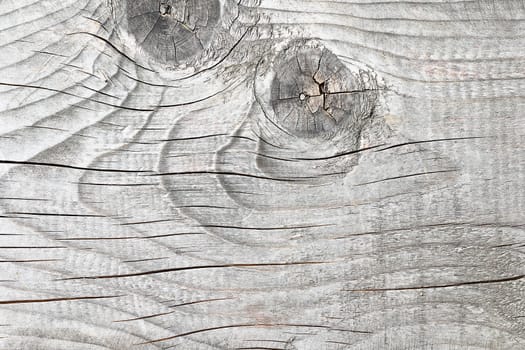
(314, 94)
(164, 9)
(173, 32)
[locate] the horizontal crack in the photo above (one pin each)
(448, 285)
(28, 301)
(188, 268)
(327, 93)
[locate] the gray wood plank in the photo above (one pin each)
(220, 174)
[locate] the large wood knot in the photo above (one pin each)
(313, 93)
(173, 31)
(318, 111)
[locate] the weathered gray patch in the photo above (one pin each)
(314, 94)
(173, 31)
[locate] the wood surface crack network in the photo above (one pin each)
(262, 174)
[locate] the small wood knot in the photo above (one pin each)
(164, 9)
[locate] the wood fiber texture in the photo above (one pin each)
(272, 174)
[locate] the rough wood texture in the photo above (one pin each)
(219, 174)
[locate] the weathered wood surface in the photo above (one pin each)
(262, 175)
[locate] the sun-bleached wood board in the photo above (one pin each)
(220, 174)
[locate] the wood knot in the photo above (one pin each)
(173, 31)
(164, 9)
(314, 94)
(317, 113)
